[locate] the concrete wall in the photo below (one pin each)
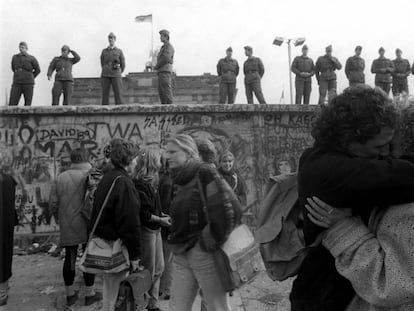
(35, 143)
(142, 88)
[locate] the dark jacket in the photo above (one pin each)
(228, 70)
(342, 180)
(325, 68)
(236, 183)
(150, 203)
(303, 64)
(8, 220)
(165, 191)
(402, 70)
(253, 69)
(120, 218)
(63, 67)
(354, 69)
(112, 62)
(25, 68)
(383, 68)
(165, 58)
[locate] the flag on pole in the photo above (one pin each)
(143, 18)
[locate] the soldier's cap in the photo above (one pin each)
(398, 51)
(328, 48)
(381, 49)
(249, 48)
(229, 49)
(65, 47)
(23, 43)
(305, 47)
(111, 35)
(164, 32)
(358, 48)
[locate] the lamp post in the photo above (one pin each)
(296, 42)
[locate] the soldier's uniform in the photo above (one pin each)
(63, 78)
(253, 72)
(304, 68)
(354, 70)
(399, 76)
(325, 74)
(227, 70)
(26, 69)
(113, 65)
(165, 60)
(383, 68)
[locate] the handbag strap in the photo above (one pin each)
(102, 208)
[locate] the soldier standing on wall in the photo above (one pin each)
(304, 69)
(25, 68)
(383, 68)
(354, 68)
(399, 76)
(113, 65)
(165, 59)
(63, 78)
(253, 72)
(227, 70)
(325, 74)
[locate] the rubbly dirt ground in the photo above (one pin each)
(37, 285)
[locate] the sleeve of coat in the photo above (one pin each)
(165, 57)
(261, 68)
(219, 68)
(374, 68)
(347, 65)
(54, 197)
(318, 69)
(76, 58)
(294, 67)
(122, 61)
(391, 67)
(36, 67)
(237, 68)
(380, 267)
(52, 67)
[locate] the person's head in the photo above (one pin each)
(248, 50)
(358, 50)
(164, 35)
(78, 155)
(123, 154)
(361, 120)
(179, 150)
(398, 53)
(111, 39)
(148, 164)
(381, 51)
(229, 52)
(305, 50)
(284, 166)
(23, 47)
(227, 161)
(206, 150)
(65, 51)
(328, 50)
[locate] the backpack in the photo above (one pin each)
(280, 229)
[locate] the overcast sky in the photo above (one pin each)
(201, 30)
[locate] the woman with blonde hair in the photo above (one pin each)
(197, 230)
(145, 179)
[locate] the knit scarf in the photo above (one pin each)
(184, 174)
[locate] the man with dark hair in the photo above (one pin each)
(304, 69)
(165, 60)
(67, 195)
(253, 72)
(354, 68)
(400, 74)
(383, 68)
(325, 74)
(113, 65)
(227, 70)
(352, 164)
(26, 69)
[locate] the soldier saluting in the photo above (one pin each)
(227, 70)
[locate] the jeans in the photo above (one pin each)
(18, 90)
(116, 83)
(110, 289)
(165, 282)
(303, 89)
(193, 270)
(256, 88)
(227, 91)
(165, 87)
(59, 87)
(326, 86)
(4, 289)
(153, 260)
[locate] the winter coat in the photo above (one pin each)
(68, 196)
(253, 70)
(165, 58)
(354, 69)
(227, 70)
(303, 64)
(112, 62)
(8, 219)
(325, 68)
(377, 259)
(383, 68)
(150, 204)
(120, 217)
(25, 67)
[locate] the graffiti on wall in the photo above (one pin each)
(36, 149)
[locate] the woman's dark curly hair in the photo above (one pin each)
(122, 152)
(356, 115)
